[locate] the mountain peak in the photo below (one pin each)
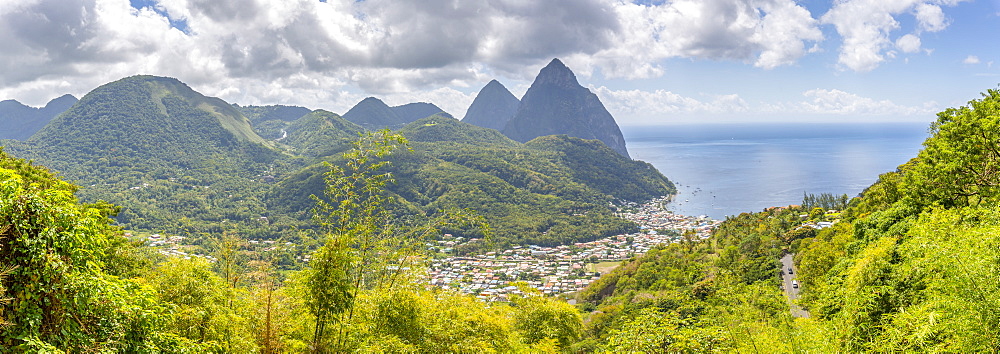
(556, 73)
(412, 112)
(371, 100)
(493, 107)
(372, 113)
(557, 104)
(494, 84)
(61, 104)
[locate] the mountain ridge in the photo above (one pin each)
(19, 121)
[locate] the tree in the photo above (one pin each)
(960, 162)
(205, 308)
(539, 318)
(61, 294)
(365, 247)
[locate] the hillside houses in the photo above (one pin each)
(562, 269)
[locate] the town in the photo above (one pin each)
(566, 269)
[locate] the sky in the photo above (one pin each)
(650, 62)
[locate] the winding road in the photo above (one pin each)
(788, 273)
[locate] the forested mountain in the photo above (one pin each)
(19, 122)
(180, 162)
(527, 193)
(557, 104)
(159, 149)
(371, 113)
(493, 107)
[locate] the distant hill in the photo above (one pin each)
(257, 114)
(440, 128)
(410, 112)
(321, 133)
(493, 107)
(270, 121)
(557, 104)
(371, 113)
(593, 163)
(19, 122)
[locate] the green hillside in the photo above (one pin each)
(527, 195)
(270, 121)
(320, 133)
(164, 152)
(908, 266)
(374, 114)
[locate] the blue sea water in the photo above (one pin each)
(727, 169)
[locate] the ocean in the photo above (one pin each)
(727, 169)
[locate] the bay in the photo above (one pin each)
(727, 169)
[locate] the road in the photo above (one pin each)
(790, 291)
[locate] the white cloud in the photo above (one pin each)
(865, 26)
(637, 106)
(782, 34)
(908, 43)
(972, 59)
(769, 33)
(243, 49)
(380, 46)
(930, 18)
(826, 101)
(638, 102)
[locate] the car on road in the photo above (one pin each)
(795, 284)
(789, 270)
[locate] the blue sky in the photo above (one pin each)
(650, 62)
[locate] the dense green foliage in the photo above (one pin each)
(825, 201)
(909, 266)
(64, 263)
(913, 265)
(552, 191)
(720, 294)
(259, 114)
(175, 160)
